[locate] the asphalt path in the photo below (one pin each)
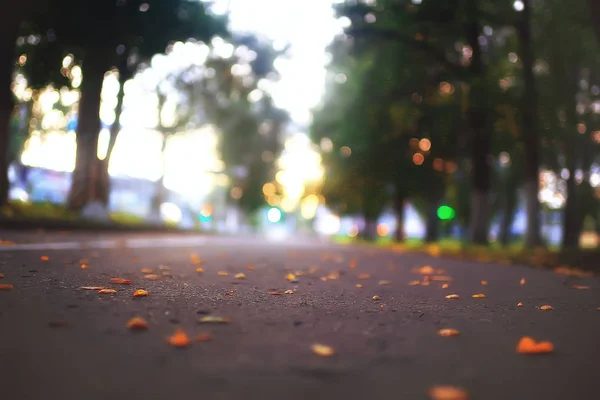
(58, 341)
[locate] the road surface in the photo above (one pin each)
(59, 341)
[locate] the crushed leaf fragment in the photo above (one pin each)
(448, 332)
(520, 304)
(289, 291)
(179, 339)
(223, 273)
(137, 323)
(204, 337)
(384, 282)
(528, 345)
(140, 293)
(322, 350)
(445, 286)
(580, 287)
(147, 270)
(107, 291)
(479, 296)
(6, 286)
(546, 307)
(120, 281)
(209, 319)
(452, 296)
(152, 277)
(448, 393)
(240, 275)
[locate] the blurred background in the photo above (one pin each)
(467, 121)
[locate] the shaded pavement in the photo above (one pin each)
(60, 341)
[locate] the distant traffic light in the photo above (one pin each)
(446, 213)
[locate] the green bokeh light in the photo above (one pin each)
(446, 213)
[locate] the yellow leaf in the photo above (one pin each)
(546, 307)
(289, 291)
(448, 332)
(479, 296)
(384, 282)
(425, 270)
(376, 298)
(359, 285)
(223, 273)
(240, 275)
(213, 320)
(107, 291)
(199, 269)
(84, 266)
(322, 350)
(137, 323)
(152, 277)
(333, 276)
(290, 277)
(452, 296)
(140, 293)
(448, 393)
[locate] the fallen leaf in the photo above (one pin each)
(137, 323)
(580, 287)
(167, 273)
(204, 337)
(479, 296)
(322, 350)
(313, 269)
(376, 298)
(120, 281)
(289, 291)
(334, 276)
(240, 275)
(147, 270)
(223, 273)
(1, 276)
(179, 339)
(452, 296)
(140, 293)
(546, 307)
(573, 272)
(445, 286)
(364, 276)
(199, 269)
(414, 283)
(425, 283)
(440, 278)
(250, 267)
(164, 268)
(483, 283)
(529, 346)
(92, 287)
(84, 266)
(448, 332)
(522, 281)
(520, 304)
(107, 291)
(5, 286)
(384, 282)
(44, 258)
(290, 277)
(448, 393)
(152, 277)
(425, 270)
(359, 285)
(209, 319)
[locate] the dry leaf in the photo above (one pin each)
(580, 287)
(440, 278)
(120, 281)
(1, 276)
(152, 277)
(425, 270)
(445, 286)
(107, 291)
(448, 332)
(376, 298)
(137, 323)
(448, 393)
(384, 282)
(179, 339)
(199, 269)
(425, 283)
(479, 296)
(167, 273)
(359, 285)
(240, 275)
(290, 277)
(274, 293)
(322, 350)
(364, 276)
(5, 286)
(483, 283)
(546, 307)
(452, 296)
(146, 270)
(529, 346)
(223, 273)
(164, 268)
(209, 319)
(520, 304)
(92, 287)
(334, 276)
(204, 337)
(522, 281)
(84, 266)
(414, 283)
(250, 267)
(352, 263)
(289, 291)
(140, 293)
(44, 258)
(573, 272)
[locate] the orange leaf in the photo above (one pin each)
(84, 266)
(140, 293)
(448, 393)
(520, 304)
(92, 287)
(107, 291)
(352, 264)
(529, 346)
(290, 277)
(322, 350)
(546, 307)
(483, 283)
(580, 287)
(452, 296)
(137, 323)
(250, 267)
(445, 286)
(5, 286)
(223, 273)
(120, 281)
(448, 332)
(179, 339)
(204, 337)
(199, 269)
(364, 276)
(414, 283)
(522, 281)
(44, 258)
(479, 296)
(152, 277)
(425, 270)
(146, 270)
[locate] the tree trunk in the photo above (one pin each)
(508, 214)
(432, 225)
(530, 132)
(595, 14)
(570, 237)
(160, 192)
(399, 206)
(88, 180)
(369, 233)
